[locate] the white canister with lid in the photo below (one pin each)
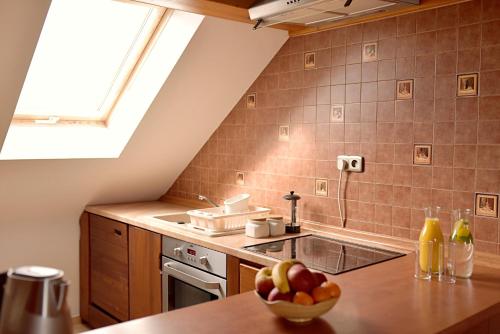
(257, 228)
(276, 226)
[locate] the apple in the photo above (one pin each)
(300, 278)
(319, 278)
(275, 294)
(264, 282)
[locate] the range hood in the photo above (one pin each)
(317, 12)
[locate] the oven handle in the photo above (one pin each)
(195, 281)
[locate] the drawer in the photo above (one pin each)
(109, 231)
(109, 282)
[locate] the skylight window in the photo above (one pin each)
(83, 59)
(96, 70)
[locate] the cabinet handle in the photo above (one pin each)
(118, 232)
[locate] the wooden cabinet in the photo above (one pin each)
(247, 277)
(109, 270)
(97, 318)
(144, 251)
(120, 276)
(241, 275)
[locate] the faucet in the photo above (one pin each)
(205, 198)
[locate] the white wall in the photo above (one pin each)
(41, 200)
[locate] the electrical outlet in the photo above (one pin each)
(350, 163)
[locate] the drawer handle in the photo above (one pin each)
(118, 232)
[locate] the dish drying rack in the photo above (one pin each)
(214, 222)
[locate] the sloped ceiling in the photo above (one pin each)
(41, 200)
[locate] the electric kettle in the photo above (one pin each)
(34, 302)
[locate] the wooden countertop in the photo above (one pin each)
(142, 215)
(378, 299)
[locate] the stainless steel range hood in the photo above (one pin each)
(317, 12)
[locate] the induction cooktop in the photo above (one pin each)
(325, 254)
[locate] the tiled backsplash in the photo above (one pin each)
(430, 47)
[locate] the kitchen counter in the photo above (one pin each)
(142, 215)
(384, 298)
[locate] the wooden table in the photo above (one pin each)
(383, 298)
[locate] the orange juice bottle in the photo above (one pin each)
(432, 232)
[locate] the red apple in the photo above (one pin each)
(264, 282)
(319, 278)
(300, 278)
(275, 294)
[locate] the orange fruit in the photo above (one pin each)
(320, 293)
(303, 298)
(332, 288)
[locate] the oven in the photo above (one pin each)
(191, 274)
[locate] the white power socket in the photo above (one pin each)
(350, 163)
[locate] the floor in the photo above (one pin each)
(78, 327)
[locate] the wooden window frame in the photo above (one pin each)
(112, 100)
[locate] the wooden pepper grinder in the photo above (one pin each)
(294, 226)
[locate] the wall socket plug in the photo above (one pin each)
(352, 163)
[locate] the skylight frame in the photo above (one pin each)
(146, 87)
(157, 19)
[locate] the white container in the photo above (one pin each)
(257, 228)
(238, 203)
(276, 226)
(216, 220)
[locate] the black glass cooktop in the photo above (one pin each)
(325, 254)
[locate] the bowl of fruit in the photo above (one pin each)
(292, 291)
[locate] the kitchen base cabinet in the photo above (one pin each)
(247, 277)
(144, 272)
(97, 318)
(109, 283)
(119, 271)
(241, 275)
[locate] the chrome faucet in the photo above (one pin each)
(205, 198)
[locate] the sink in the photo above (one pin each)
(182, 221)
(179, 219)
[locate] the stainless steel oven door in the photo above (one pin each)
(183, 285)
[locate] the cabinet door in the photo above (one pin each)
(98, 319)
(109, 266)
(247, 277)
(144, 272)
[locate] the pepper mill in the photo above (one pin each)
(294, 226)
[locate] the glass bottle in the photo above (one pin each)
(432, 232)
(462, 236)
